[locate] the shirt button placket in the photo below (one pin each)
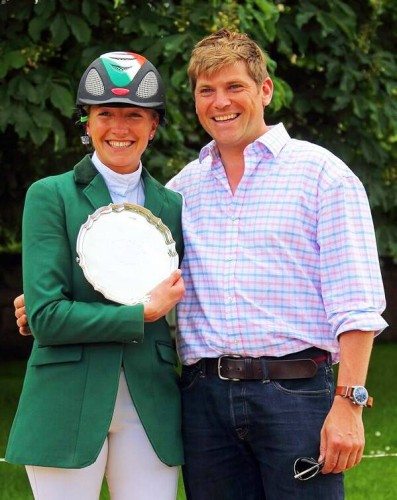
(231, 248)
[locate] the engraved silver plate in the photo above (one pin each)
(125, 251)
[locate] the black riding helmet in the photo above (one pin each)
(118, 78)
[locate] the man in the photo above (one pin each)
(282, 279)
(280, 263)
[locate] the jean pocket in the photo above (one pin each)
(319, 385)
(190, 376)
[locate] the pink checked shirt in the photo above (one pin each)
(287, 262)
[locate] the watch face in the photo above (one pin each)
(360, 395)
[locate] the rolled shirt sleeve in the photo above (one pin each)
(351, 281)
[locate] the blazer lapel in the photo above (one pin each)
(93, 184)
(94, 187)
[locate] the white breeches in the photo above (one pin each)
(127, 459)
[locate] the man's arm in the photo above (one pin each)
(342, 436)
(353, 296)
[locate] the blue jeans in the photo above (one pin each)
(241, 439)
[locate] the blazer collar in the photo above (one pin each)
(94, 187)
(92, 183)
(154, 193)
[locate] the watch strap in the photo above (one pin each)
(346, 391)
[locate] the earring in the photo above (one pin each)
(85, 139)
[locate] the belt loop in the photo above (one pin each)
(265, 379)
(202, 368)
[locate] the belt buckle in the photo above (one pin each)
(235, 356)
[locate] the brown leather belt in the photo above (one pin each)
(237, 368)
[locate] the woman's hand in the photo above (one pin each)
(164, 296)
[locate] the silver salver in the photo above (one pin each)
(125, 251)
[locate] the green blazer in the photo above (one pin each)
(82, 339)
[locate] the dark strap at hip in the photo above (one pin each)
(238, 368)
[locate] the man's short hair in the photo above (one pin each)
(223, 48)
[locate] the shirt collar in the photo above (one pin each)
(117, 182)
(274, 140)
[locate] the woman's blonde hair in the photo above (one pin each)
(223, 48)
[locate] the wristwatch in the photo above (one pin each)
(358, 394)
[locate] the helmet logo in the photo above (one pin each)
(119, 91)
(122, 67)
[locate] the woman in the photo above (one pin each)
(100, 394)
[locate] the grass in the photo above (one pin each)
(374, 478)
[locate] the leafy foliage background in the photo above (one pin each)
(333, 63)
